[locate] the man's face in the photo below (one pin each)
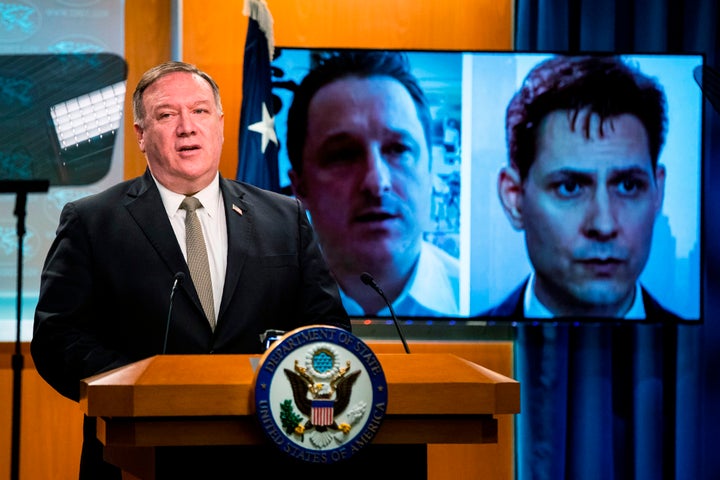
(182, 132)
(588, 208)
(365, 177)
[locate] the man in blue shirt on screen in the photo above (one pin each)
(584, 184)
(359, 142)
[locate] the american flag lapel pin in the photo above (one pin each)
(237, 209)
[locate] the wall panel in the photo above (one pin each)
(147, 43)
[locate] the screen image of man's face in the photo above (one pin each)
(365, 177)
(588, 207)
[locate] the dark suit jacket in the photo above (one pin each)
(106, 282)
(512, 306)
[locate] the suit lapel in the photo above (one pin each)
(145, 206)
(238, 215)
(512, 305)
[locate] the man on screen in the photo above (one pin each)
(359, 142)
(584, 184)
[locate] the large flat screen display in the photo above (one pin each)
(468, 94)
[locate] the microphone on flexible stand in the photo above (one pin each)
(177, 280)
(368, 279)
(268, 337)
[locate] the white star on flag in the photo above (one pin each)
(265, 127)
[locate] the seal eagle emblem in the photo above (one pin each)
(320, 394)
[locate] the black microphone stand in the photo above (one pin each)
(368, 279)
(20, 188)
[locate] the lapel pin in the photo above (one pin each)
(237, 209)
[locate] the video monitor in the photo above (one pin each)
(468, 93)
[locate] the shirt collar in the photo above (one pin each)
(208, 196)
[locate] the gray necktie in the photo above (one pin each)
(197, 257)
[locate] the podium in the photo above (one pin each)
(177, 401)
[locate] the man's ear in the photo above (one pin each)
(660, 190)
(297, 185)
(139, 135)
(510, 193)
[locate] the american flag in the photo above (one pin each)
(322, 412)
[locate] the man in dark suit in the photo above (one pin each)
(584, 185)
(105, 291)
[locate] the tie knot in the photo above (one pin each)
(190, 204)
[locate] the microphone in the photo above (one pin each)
(268, 337)
(177, 280)
(368, 279)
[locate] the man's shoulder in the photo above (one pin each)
(511, 305)
(113, 195)
(655, 312)
(252, 193)
(240, 187)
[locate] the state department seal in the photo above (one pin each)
(320, 394)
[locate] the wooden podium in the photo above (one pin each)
(207, 400)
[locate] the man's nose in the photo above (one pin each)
(185, 124)
(601, 218)
(378, 176)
